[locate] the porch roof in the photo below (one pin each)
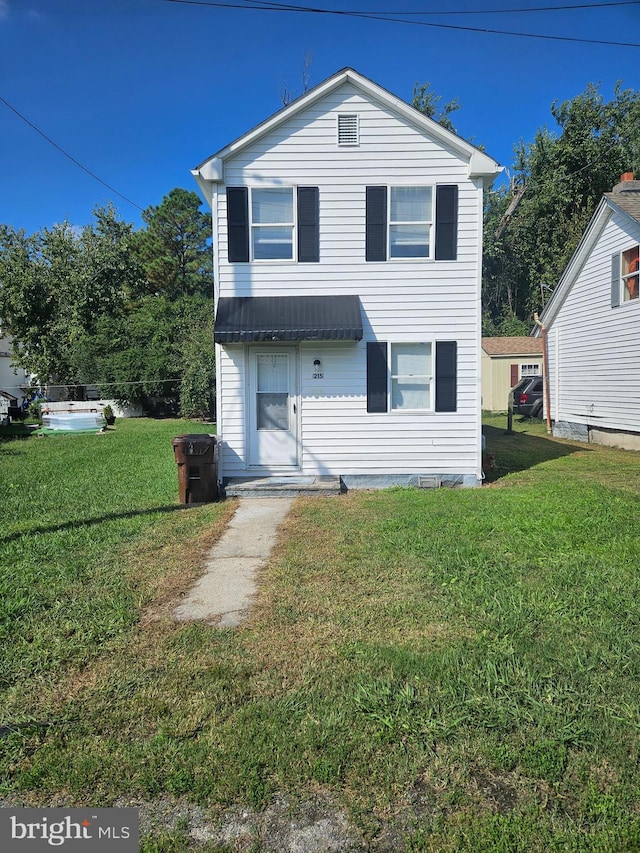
(247, 319)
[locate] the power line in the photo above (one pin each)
(519, 11)
(281, 7)
(69, 156)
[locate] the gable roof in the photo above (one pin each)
(521, 345)
(480, 164)
(625, 200)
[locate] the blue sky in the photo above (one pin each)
(141, 91)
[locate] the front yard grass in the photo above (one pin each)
(462, 665)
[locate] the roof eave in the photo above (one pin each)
(480, 164)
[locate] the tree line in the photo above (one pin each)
(533, 224)
(132, 310)
(128, 310)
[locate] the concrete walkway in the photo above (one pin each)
(223, 594)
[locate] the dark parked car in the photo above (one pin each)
(526, 397)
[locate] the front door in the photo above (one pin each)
(273, 420)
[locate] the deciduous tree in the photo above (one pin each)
(558, 180)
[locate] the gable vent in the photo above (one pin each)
(348, 130)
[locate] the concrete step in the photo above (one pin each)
(293, 486)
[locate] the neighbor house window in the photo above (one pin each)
(411, 376)
(272, 223)
(630, 274)
(410, 221)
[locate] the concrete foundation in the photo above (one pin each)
(597, 435)
(615, 438)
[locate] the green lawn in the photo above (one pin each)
(463, 664)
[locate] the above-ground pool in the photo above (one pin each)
(73, 420)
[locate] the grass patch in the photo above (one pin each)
(462, 665)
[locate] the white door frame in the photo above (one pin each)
(277, 448)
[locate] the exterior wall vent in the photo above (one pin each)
(425, 482)
(348, 129)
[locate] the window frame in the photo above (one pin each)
(531, 370)
(344, 116)
(255, 226)
(431, 377)
(630, 274)
(430, 223)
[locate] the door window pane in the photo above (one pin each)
(273, 411)
(273, 373)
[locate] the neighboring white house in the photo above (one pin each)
(347, 233)
(593, 325)
(505, 361)
(12, 379)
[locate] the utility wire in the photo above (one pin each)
(385, 17)
(568, 7)
(69, 156)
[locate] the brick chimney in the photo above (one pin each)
(628, 184)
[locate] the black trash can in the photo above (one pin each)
(197, 459)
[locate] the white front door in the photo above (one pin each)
(273, 416)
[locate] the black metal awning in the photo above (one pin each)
(247, 319)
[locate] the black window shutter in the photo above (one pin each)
(238, 224)
(308, 225)
(446, 222)
(376, 227)
(615, 280)
(446, 376)
(376, 376)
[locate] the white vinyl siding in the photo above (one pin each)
(400, 302)
(593, 348)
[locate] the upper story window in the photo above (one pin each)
(630, 274)
(348, 129)
(272, 223)
(410, 219)
(412, 222)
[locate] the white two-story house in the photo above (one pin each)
(347, 235)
